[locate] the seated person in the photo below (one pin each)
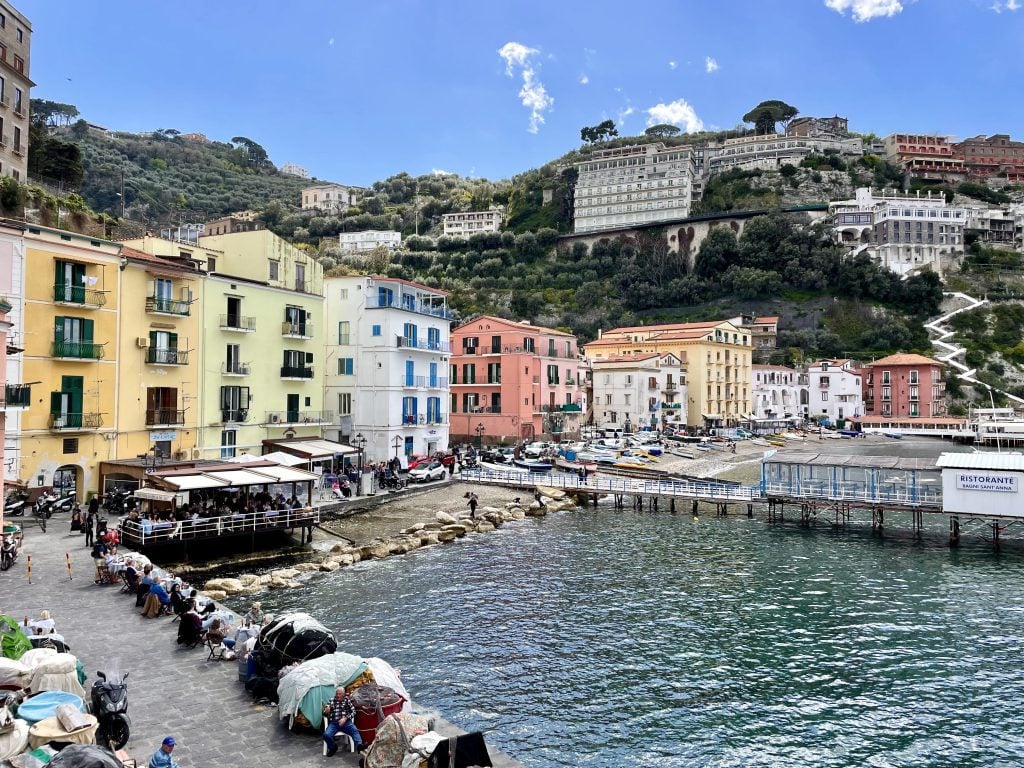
(190, 631)
(44, 625)
(157, 602)
(131, 576)
(254, 616)
(179, 603)
(217, 632)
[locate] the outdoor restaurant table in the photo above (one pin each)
(50, 729)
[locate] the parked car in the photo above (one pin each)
(433, 470)
(416, 459)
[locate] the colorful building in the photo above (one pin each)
(630, 392)
(514, 381)
(835, 390)
(716, 356)
(16, 395)
(904, 385)
(388, 349)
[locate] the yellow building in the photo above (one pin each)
(158, 389)
(260, 344)
(716, 357)
(71, 290)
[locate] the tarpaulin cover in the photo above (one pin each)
(295, 637)
(85, 756)
(392, 742)
(14, 641)
(45, 705)
(385, 674)
(309, 686)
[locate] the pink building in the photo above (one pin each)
(904, 385)
(513, 381)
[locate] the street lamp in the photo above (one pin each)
(479, 434)
(359, 442)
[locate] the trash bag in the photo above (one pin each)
(85, 756)
(294, 638)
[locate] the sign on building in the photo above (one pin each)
(986, 481)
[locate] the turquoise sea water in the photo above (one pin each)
(604, 638)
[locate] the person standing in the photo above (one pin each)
(162, 757)
(90, 520)
(340, 715)
(473, 501)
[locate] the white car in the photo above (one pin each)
(432, 471)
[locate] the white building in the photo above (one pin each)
(639, 390)
(360, 242)
(633, 185)
(780, 392)
(388, 351)
(905, 233)
(329, 198)
(470, 222)
(291, 169)
(770, 151)
(835, 390)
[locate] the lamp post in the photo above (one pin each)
(479, 434)
(360, 442)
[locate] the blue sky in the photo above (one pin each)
(358, 91)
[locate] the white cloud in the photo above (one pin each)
(533, 95)
(710, 65)
(1012, 5)
(1009, 5)
(441, 172)
(331, 41)
(584, 79)
(677, 112)
(866, 10)
(673, 64)
(622, 115)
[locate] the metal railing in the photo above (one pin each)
(235, 369)
(405, 342)
(300, 417)
(77, 294)
(164, 416)
(143, 532)
(69, 421)
(239, 415)
(80, 350)
(420, 308)
(298, 330)
(237, 323)
(296, 372)
(159, 356)
(165, 306)
(17, 395)
(413, 381)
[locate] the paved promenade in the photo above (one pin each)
(172, 691)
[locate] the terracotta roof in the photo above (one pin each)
(515, 323)
(771, 319)
(666, 327)
(903, 358)
(636, 357)
(133, 254)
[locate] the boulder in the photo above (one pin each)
(398, 547)
(458, 529)
(356, 556)
(215, 594)
(365, 552)
(485, 511)
(495, 518)
(339, 548)
(434, 526)
(484, 526)
(446, 535)
(265, 579)
(342, 560)
(285, 573)
(552, 493)
(536, 510)
(427, 539)
(278, 583)
(414, 528)
(518, 513)
(444, 518)
(327, 566)
(228, 586)
(306, 567)
(249, 579)
(380, 551)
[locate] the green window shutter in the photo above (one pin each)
(172, 341)
(58, 273)
(152, 339)
(72, 384)
(78, 275)
(87, 331)
(58, 328)
(56, 398)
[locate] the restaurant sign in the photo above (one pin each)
(986, 481)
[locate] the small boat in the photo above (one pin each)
(534, 465)
(507, 469)
(703, 446)
(894, 435)
(576, 466)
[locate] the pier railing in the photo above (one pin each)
(144, 533)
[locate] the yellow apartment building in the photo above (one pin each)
(716, 356)
(160, 332)
(70, 294)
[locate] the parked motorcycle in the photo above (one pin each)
(9, 549)
(116, 502)
(14, 504)
(110, 707)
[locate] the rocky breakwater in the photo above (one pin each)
(447, 526)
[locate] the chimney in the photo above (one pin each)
(599, 332)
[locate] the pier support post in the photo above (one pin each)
(750, 510)
(954, 531)
(996, 543)
(693, 507)
(672, 506)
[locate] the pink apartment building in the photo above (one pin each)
(513, 381)
(904, 385)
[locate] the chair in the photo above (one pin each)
(128, 587)
(216, 648)
(346, 743)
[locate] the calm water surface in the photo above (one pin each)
(603, 638)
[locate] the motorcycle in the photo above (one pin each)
(14, 504)
(110, 707)
(390, 480)
(51, 502)
(8, 551)
(116, 502)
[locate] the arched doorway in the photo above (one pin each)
(67, 480)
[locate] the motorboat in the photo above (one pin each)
(534, 465)
(575, 466)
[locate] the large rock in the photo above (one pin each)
(552, 493)
(343, 560)
(536, 510)
(445, 535)
(228, 586)
(306, 567)
(380, 551)
(484, 526)
(457, 528)
(276, 582)
(339, 548)
(285, 573)
(414, 528)
(215, 594)
(517, 514)
(327, 566)
(427, 539)
(398, 546)
(434, 526)
(495, 518)
(444, 518)
(249, 579)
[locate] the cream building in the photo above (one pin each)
(469, 223)
(329, 198)
(361, 242)
(639, 390)
(15, 88)
(717, 360)
(769, 152)
(780, 392)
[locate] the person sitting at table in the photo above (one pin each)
(131, 575)
(179, 603)
(190, 631)
(157, 603)
(254, 616)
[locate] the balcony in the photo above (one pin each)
(18, 150)
(404, 342)
(159, 305)
(290, 418)
(78, 296)
(419, 307)
(297, 330)
(411, 382)
(235, 369)
(164, 417)
(238, 323)
(296, 372)
(17, 395)
(71, 422)
(670, 387)
(157, 356)
(234, 415)
(77, 350)
(19, 108)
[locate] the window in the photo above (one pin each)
(551, 348)
(234, 403)
(409, 410)
(469, 373)
(17, 139)
(19, 63)
(495, 344)
(72, 337)
(66, 405)
(433, 410)
(409, 334)
(343, 332)
(3, 21)
(454, 373)
(887, 393)
(274, 270)
(913, 377)
(886, 378)
(529, 345)
(17, 99)
(824, 396)
(345, 366)
(21, 35)
(375, 330)
(434, 338)
(494, 373)
(70, 444)
(343, 294)
(211, 264)
(496, 402)
(228, 439)
(552, 374)
(345, 403)
(162, 405)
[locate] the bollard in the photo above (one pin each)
(29, 560)
(67, 557)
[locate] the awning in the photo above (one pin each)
(287, 474)
(192, 482)
(154, 494)
(285, 459)
(241, 476)
(313, 449)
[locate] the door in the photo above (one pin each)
(296, 319)
(433, 374)
(161, 405)
(66, 405)
(163, 347)
(410, 373)
(234, 312)
(300, 277)
(232, 364)
(293, 409)
(69, 282)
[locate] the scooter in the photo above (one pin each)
(110, 707)
(8, 551)
(14, 504)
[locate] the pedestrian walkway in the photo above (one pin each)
(171, 691)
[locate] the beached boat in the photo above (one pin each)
(534, 465)
(894, 435)
(506, 468)
(576, 466)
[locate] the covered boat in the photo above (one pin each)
(306, 688)
(294, 637)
